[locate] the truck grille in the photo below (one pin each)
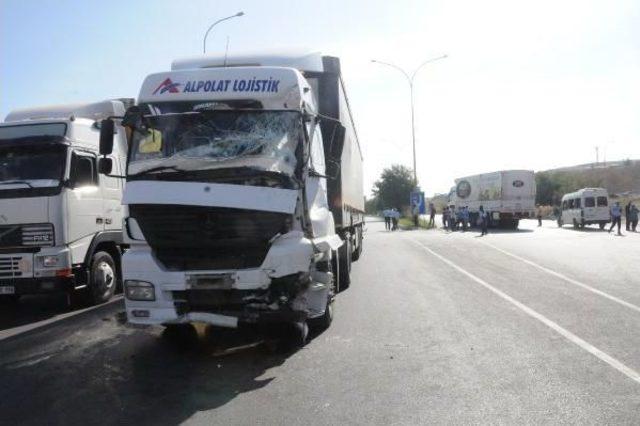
(207, 238)
(10, 267)
(26, 235)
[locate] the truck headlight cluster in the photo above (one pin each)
(139, 290)
(37, 235)
(49, 261)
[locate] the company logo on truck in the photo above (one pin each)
(463, 189)
(167, 86)
(269, 85)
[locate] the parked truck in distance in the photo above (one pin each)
(244, 192)
(507, 196)
(60, 222)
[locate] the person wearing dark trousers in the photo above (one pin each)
(627, 209)
(633, 215)
(387, 219)
(445, 217)
(539, 213)
(484, 220)
(616, 217)
(432, 215)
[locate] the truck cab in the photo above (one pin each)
(60, 221)
(228, 219)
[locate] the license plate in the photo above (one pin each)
(7, 289)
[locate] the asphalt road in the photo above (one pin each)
(534, 326)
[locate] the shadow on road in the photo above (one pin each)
(133, 375)
(31, 309)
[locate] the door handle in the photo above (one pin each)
(108, 221)
(99, 220)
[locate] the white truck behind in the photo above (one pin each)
(60, 221)
(507, 196)
(244, 192)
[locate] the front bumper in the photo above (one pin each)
(280, 290)
(25, 286)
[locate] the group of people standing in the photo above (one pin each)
(391, 217)
(631, 213)
(453, 218)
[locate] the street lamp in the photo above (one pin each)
(204, 40)
(410, 79)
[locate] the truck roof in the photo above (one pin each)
(301, 60)
(95, 111)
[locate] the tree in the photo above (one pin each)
(394, 187)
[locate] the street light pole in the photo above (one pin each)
(410, 79)
(204, 40)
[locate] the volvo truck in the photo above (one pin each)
(244, 196)
(60, 221)
(507, 196)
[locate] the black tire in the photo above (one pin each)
(602, 225)
(344, 266)
(358, 251)
(560, 223)
(9, 299)
(103, 278)
(322, 323)
(575, 224)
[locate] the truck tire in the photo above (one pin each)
(560, 223)
(575, 224)
(322, 323)
(601, 225)
(358, 251)
(344, 266)
(103, 277)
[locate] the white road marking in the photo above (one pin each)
(567, 279)
(632, 374)
(10, 332)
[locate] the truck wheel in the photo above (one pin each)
(344, 266)
(103, 277)
(358, 251)
(601, 225)
(575, 224)
(322, 323)
(9, 299)
(559, 223)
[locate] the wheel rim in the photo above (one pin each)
(105, 276)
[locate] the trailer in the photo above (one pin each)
(507, 196)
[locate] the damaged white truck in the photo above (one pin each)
(244, 199)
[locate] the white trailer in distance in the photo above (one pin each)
(60, 221)
(507, 196)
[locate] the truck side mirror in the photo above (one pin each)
(107, 131)
(105, 165)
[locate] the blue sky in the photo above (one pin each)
(527, 84)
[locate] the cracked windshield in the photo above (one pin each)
(347, 212)
(266, 140)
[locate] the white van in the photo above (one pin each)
(587, 206)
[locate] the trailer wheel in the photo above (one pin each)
(102, 277)
(601, 225)
(575, 224)
(560, 223)
(358, 251)
(344, 266)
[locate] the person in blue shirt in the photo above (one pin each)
(633, 217)
(616, 217)
(465, 218)
(484, 220)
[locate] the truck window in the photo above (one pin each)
(83, 171)
(602, 202)
(577, 203)
(589, 202)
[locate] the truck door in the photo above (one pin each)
(84, 203)
(112, 197)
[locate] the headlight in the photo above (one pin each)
(49, 261)
(139, 290)
(37, 235)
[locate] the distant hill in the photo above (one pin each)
(620, 178)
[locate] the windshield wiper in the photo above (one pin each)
(157, 169)
(10, 182)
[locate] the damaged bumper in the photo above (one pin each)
(285, 288)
